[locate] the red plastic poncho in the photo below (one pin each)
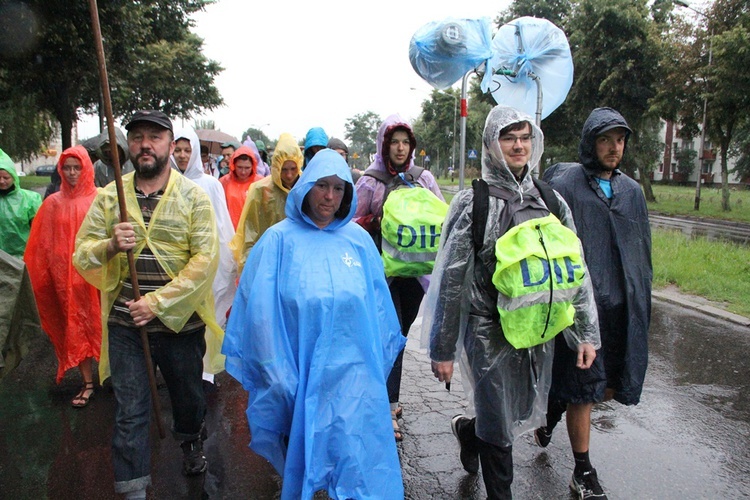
(235, 190)
(68, 306)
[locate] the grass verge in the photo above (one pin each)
(34, 181)
(678, 200)
(716, 270)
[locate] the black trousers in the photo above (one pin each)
(496, 461)
(406, 294)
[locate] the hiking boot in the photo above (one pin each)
(587, 486)
(469, 456)
(194, 462)
(542, 436)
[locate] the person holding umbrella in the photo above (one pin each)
(171, 229)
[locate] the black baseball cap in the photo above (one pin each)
(152, 116)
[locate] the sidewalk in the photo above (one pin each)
(698, 304)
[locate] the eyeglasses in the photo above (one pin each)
(510, 140)
(68, 168)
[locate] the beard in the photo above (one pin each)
(152, 169)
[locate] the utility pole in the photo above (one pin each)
(701, 154)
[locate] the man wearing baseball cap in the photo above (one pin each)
(171, 229)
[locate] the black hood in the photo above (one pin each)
(599, 121)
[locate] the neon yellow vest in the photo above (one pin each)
(411, 225)
(539, 270)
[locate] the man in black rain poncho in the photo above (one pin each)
(610, 212)
(509, 385)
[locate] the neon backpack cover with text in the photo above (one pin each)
(539, 267)
(411, 225)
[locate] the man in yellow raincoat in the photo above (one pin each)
(171, 229)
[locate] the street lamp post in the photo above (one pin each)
(697, 204)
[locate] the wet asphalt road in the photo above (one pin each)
(688, 438)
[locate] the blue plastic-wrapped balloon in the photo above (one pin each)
(528, 46)
(442, 52)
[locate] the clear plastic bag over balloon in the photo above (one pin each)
(442, 52)
(528, 47)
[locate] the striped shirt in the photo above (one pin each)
(151, 276)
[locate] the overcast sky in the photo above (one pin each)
(289, 66)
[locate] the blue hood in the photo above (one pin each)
(327, 162)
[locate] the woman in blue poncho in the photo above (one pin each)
(312, 337)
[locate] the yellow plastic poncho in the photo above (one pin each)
(182, 236)
(265, 201)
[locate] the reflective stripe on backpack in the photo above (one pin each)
(538, 273)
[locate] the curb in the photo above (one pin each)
(702, 308)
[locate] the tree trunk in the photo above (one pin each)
(724, 180)
(648, 190)
(64, 114)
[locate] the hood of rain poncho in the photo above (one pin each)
(236, 191)
(599, 121)
(17, 209)
(334, 143)
(71, 312)
(325, 164)
(312, 337)
(508, 386)
(19, 318)
(616, 238)
(266, 200)
(385, 133)
(224, 286)
(7, 164)
(286, 149)
(182, 236)
(494, 167)
(316, 136)
(85, 185)
(104, 172)
(122, 144)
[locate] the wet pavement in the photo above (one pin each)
(688, 438)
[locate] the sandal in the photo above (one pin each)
(398, 412)
(397, 430)
(81, 400)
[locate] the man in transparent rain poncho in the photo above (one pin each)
(509, 385)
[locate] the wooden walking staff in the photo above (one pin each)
(106, 98)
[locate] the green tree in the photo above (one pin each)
(23, 129)
(614, 45)
(727, 79)
(361, 131)
(686, 161)
(153, 60)
(204, 125)
(254, 134)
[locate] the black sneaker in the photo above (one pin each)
(469, 457)
(194, 462)
(542, 437)
(587, 486)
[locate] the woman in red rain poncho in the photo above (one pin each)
(243, 168)
(68, 306)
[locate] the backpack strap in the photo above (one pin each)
(480, 211)
(380, 175)
(548, 196)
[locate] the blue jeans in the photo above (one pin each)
(180, 360)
